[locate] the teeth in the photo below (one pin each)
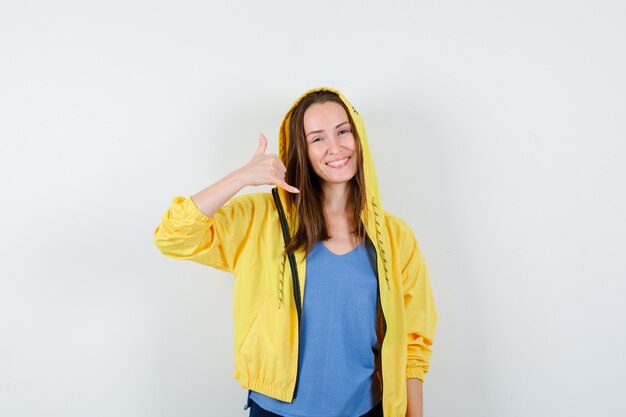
(337, 163)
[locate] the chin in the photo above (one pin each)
(337, 180)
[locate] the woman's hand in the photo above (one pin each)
(265, 169)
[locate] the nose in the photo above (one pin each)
(333, 145)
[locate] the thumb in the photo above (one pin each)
(262, 145)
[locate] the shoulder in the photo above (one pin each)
(397, 226)
(401, 233)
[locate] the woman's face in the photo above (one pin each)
(330, 142)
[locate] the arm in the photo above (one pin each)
(205, 227)
(419, 308)
(262, 169)
(209, 200)
(421, 318)
(415, 398)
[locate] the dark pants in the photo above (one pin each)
(257, 411)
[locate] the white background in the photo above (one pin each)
(498, 134)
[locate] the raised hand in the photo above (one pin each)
(266, 169)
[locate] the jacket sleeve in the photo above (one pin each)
(419, 305)
(187, 233)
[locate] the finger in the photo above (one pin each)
(278, 164)
(282, 184)
(262, 145)
(282, 166)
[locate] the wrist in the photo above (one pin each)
(239, 178)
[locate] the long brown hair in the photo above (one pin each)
(311, 224)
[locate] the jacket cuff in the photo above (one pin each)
(190, 208)
(415, 372)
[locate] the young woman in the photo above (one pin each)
(333, 309)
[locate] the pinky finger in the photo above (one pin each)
(287, 187)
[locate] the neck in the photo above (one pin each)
(336, 198)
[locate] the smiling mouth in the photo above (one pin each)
(338, 164)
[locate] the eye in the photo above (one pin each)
(344, 131)
(316, 139)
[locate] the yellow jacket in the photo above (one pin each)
(245, 237)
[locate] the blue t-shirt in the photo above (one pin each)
(338, 342)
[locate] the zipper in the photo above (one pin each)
(382, 380)
(371, 249)
(294, 276)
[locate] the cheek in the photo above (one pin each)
(314, 154)
(353, 148)
(313, 160)
(352, 143)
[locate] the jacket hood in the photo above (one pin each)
(374, 221)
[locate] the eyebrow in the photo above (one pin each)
(320, 131)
